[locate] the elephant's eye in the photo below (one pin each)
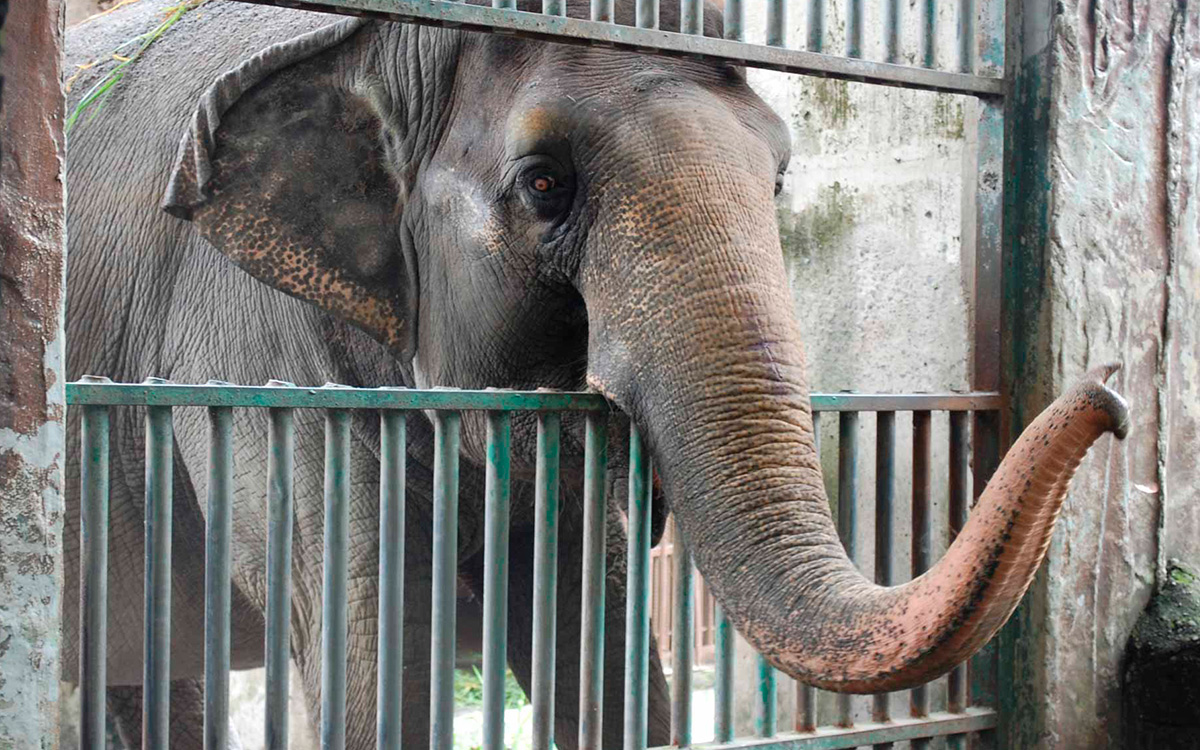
(543, 183)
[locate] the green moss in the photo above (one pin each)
(1182, 575)
(819, 227)
(832, 99)
(948, 117)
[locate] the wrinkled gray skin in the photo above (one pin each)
(477, 267)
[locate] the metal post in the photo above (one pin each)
(392, 459)
(595, 506)
(683, 621)
(545, 579)
(218, 531)
(847, 518)
(280, 452)
(637, 613)
(446, 427)
(922, 535)
(495, 577)
(334, 600)
(885, 471)
(764, 719)
(723, 644)
(156, 664)
(93, 573)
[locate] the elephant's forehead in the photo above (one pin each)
(540, 120)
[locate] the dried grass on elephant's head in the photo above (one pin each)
(99, 92)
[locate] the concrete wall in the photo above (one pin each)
(1104, 264)
(31, 372)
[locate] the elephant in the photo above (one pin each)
(278, 194)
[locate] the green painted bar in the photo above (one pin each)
(898, 730)
(854, 28)
(647, 14)
(545, 578)
(929, 33)
(280, 453)
(217, 582)
(683, 622)
(93, 574)
(595, 507)
(140, 394)
(602, 11)
(156, 644)
(891, 31)
(966, 35)
(922, 536)
(334, 599)
(765, 724)
(691, 13)
(777, 23)
(723, 688)
(446, 427)
(816, 25)
(637, 607)
(495, 577)
(885, 508)
(957, 683)
(806, 695)
(392, 460)
(847, 519)
(735, 20)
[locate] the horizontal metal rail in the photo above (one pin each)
(138, 394)
(837, 738)
(556, 28)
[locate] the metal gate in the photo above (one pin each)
(974, 429)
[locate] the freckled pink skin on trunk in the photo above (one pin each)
(692, 332)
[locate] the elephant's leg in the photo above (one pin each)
(363, 642)
(187, 715)
(567, 645)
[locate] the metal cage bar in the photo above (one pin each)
(446, 427)
(217, 583)
(392, 439)
(637, 612)
(93, 574)
(922, 536)
(885, 497)
(595, 504)
(545, 579)
(280, 513)
(495, 577)
(156, 660)
(335, 570)
(682, 644)
(847, 518)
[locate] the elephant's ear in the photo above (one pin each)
(283, 170)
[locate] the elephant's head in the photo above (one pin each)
(510, 213)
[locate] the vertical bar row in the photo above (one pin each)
(922, 534)
(333, 597)
(957, 687)
(93, 561)
(777, 23)
(637, 614)
(847, 518)
(806, 695)
(495, 577)
(891, 31)
(683, 621)
(723, 645)
(392, 454)
(545, 578)
(280, 451)
(156, 664)
(218, 531)
(885, 470)
(595, 518)
(764, 719)
(446, 429)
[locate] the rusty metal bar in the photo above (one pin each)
(93, 574)
(922, 534)
(602, 11)
(156, 644)
(392, 455)
(217, 581)
(545, 578)
(885, 508)
(591, 659)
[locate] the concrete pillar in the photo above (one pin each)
(1103, 263)
(32, 412)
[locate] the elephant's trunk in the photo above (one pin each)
(692, 332)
